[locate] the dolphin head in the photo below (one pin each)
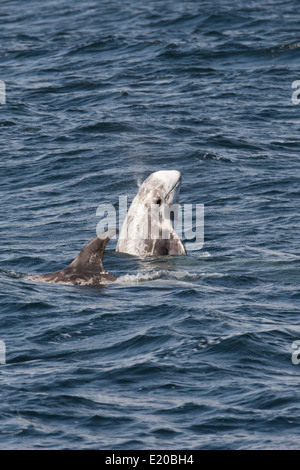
(161, 187)
(147, 229)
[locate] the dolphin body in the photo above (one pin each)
(148, 227)
(87, 268)
(148, 214)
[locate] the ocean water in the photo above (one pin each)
(187, 352)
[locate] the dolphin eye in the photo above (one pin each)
(158, 201)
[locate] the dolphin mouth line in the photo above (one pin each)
(172, 189)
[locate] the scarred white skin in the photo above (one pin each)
(148, 228)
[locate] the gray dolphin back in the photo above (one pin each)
(87, 268)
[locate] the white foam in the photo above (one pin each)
(182, 275)
(204, 254)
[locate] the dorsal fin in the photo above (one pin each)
(91, 256)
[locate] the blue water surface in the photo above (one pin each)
(187, 352)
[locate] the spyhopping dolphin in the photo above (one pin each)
(148, 227)
(87, 268)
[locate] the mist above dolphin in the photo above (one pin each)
(146, 231)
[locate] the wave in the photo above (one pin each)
(164, 274)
